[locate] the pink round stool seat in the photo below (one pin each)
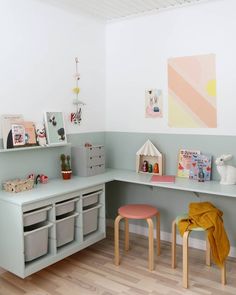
(137, 211)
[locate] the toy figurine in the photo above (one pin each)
(150, 168)
(145, 166)
(200, 175)
(156, 168)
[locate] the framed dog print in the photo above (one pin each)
(55, 127)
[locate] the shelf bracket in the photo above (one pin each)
(196, 194)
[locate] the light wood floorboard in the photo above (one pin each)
(92, 271)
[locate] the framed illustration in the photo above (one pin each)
(153, 103)
(55, 127)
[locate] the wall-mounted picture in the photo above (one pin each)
(153, 103)
(55, 127)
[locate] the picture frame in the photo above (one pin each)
(55, 127)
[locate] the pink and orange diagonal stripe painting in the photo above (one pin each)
(192, 92)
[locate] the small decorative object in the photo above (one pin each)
(65, 166)
(31, 176)
(41, 178)
(153, 103)
(40, 134)
(156, 168)
(87, 144)
(227, 172)
(149, 154)
(201, 175)
(145, 166)
(18, 185)
(55, 128)
(150, 168)
(76, 117)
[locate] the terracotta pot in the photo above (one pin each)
(66, 174)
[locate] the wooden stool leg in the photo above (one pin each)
(173, 245)
(126, 234)
(223, 274)
(151, 244)
(185, 259)
(158, 233)
(116, 239)
(208, 251)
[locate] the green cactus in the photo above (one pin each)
(65, 162)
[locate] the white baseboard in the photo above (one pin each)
(141, 230)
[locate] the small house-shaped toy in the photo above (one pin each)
(149, 159)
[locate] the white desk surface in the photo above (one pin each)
(56, 187)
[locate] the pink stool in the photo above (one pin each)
(138, 211)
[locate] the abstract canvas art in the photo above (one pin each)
(192, 92)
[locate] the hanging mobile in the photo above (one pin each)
(76, 117)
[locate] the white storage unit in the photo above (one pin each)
(88, 161)
(45, 225)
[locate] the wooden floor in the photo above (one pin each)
(92, 271)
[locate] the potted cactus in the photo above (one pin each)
(65, 167)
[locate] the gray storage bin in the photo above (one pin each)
(36, 242)
(65, 229)
(36, 216)
(94, 170)
(66, 207)
(91, 199)
(90, 220)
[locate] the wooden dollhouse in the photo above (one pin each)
(149, 160)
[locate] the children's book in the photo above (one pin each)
(163, 178)
(7, 122)
(201, 163)
(30, 136)
(18, 135)
(184, 162)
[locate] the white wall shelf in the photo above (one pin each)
(34, 148)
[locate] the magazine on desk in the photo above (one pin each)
(163, 178)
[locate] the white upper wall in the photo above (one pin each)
(38, 45)
(137, 54)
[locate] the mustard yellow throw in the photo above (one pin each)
(207, 216)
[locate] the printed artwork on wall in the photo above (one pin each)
(153, 103)
(192, 92)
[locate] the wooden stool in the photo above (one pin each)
(185, 251)
(138, 211)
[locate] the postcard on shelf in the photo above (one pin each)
(184, 162)
(7, 122)
(200, 164)
(30, 135)
(55, 127)
(163, 178)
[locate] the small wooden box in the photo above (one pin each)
(18, 185)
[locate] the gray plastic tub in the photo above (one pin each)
(36, 242)
(91, 199)
(90, 220)
(66, 207)
(36, 216)
(65, 229)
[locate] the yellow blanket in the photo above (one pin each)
(209, 217)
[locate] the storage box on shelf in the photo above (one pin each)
(91, 207)
(65, 221)
(44, 231)
(88, 161)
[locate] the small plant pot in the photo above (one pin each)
(66, 174)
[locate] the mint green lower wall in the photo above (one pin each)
(120, 153)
